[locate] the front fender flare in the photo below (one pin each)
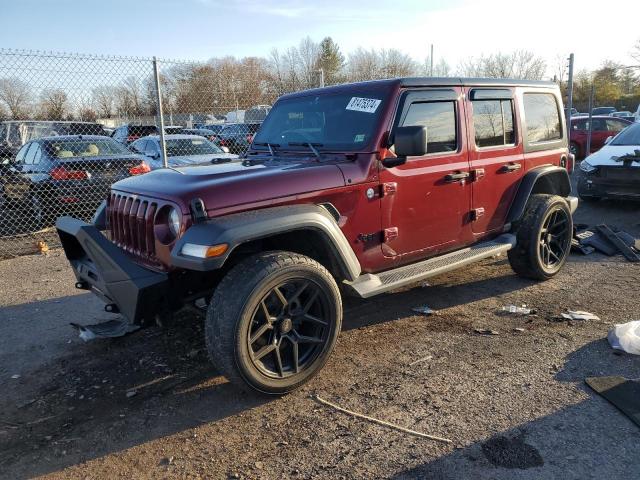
(239, 228)
(549, 179)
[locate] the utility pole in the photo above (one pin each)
(431, 59)
(321, 77)
(569, 95)
(593, 89)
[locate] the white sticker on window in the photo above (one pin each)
(367, 105)
(359, 138)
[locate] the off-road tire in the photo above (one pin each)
(233, 308)
(525, 258)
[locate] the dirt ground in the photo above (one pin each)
(151, 406)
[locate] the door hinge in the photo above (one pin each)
(476, 213)
(390, 233)
(389, 188)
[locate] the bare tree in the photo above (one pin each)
(16, 95)
(520, 64)
(54, 104)
(104, 98)
(635, 53)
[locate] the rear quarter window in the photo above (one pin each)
(542, 117)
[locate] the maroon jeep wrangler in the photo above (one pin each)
(359, 188)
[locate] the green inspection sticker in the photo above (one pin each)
(359, 138)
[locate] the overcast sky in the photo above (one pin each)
(201, 29)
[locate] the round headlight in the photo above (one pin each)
(174, 222)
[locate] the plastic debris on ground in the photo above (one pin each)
(626, 337)
(485, 331)
(579, 315)
(110, 329)
(424, 310)
(605, 239)
(522, 310)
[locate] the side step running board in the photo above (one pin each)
(368, 284)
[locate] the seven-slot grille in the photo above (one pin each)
(130, 219)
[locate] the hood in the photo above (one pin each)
(235, 183)
(185, 160)
(603, 157)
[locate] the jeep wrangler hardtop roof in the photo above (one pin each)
(427, 82)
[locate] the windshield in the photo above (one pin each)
(344, 122)
(629, 136)
(191, 146)
(85, 148)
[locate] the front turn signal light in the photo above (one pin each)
(204, 251)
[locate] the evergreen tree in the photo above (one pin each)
(331, 61)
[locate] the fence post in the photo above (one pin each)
(593, 88)
(163, 146)
(569, 95)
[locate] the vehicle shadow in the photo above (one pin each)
(590, 439)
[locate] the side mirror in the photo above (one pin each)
(224, 149)
(409, 142)
(609, 138)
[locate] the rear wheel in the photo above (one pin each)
(273, 321)
(543, 238)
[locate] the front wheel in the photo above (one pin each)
(273, 321)
(543, 238)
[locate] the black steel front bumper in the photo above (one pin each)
(100, 266)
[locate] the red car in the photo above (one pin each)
(360, 188)
(604, 127)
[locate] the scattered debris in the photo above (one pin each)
(607, 240)
(523, 310)
(15, 376)
(132, 393)
(485, 331)
(424, 310)
(518, 329)
(626, 337)
(579, 315)
(420, 360)
(42, 247)
(623, 393)
(113, 328)
(381, 422)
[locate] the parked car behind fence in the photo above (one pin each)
(604, 126)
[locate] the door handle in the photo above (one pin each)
(511, 167)
(456, 177)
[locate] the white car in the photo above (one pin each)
(182, 150)
(614, 170)
(637, 114)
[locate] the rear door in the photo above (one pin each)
(426, 200)
(496, 156)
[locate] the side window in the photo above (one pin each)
(580, 125)
(37, 154)
(22, 153)
(440, 120)
(139, 145)
(493, 123)
(542, 117)
(150, 148)
(599, 125)
(615, 125)
(28, 158)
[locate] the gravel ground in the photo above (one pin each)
(151, 406)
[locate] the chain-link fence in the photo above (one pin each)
(72, 125)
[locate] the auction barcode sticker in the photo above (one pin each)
(368, 105)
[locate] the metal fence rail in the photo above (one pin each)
(71, 125)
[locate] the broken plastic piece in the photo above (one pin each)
(424, 310)
(485, 331)
(523, 310)
(626, 337)
(579, 315)
(110, 329)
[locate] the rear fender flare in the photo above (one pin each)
(239, 228)
(549, 179)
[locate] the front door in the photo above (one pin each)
(426, 200)
(496, 156)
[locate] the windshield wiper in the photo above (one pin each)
(270, 146)
(312, 147)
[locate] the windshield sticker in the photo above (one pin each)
(359, 138)
(367, 105)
